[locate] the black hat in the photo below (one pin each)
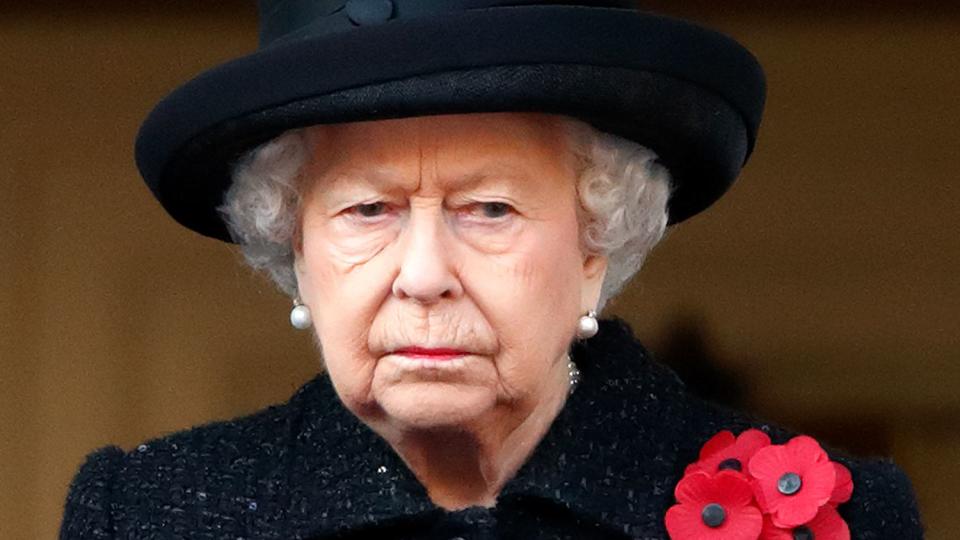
(692, 95)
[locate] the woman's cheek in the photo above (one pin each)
(490, 238)
(350, 246)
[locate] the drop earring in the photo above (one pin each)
(587, 326)
(300, 315)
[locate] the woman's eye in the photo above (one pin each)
(495, 210)
(370, 210)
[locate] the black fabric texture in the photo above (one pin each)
(692, 95)
(293, 19)
(308, 468)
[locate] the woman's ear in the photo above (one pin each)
(296, 238)
(299, 274)
(594, 271)
(297, 268)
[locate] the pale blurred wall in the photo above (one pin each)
(827, 278)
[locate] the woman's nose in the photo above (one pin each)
(426, 272)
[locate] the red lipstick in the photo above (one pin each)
(430, 354)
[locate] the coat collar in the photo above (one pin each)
(605, 457)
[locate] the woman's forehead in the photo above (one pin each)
(455, 150)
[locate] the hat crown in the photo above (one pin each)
(282, 20)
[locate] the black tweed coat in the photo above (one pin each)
(307, 469)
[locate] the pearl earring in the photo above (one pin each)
(587, 326)
(300, 315)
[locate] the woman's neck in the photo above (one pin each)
(462, 466)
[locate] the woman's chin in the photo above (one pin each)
(432, 404)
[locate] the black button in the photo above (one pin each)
(713, 515)
(369, 12)
(789, 484)
(732, 464)
(802, 533)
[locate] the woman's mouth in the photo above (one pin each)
(437, 355)
(434, 360)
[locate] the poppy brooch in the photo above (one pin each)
(745, 488)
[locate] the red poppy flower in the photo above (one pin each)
(718, 507)
(792, 481)
(844, 488)
(826, 525)
(724, 451)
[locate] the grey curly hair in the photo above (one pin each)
(623, 195)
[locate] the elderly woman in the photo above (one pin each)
(449, 192)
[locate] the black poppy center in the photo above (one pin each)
(713, 515)
(802, 533)
(731, 463)
(789, 483)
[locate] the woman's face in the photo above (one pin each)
(455, 233)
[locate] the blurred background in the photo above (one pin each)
(820, 293)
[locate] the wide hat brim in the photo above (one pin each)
(692, 95)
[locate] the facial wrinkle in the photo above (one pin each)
(348, 264)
